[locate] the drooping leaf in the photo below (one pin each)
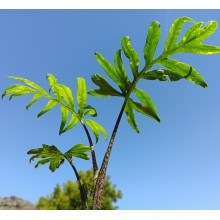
(148, 105)
(49, 106)
(131, 54)
(96, 128)
(123, 81)
(33, 100)
(104, 88)
(72, 123)
(152, 40)
(81, 95)
(65, 114)
(29, 83)
(183, 70)
(130, 116)
(50, 154)
(79, 151)
(174, 32)
(89, 110)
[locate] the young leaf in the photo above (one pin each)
(174, 32)
(152, 40)
(130, 116)
(50, 154)
(89, 110)
(148, 104)
(183, 70)
(78, 151)
(81, 95)
(48, 107)
(72, 123)
(96, 128)
(131, 54)
(33, 100)
(65, 114)
(104, 88)
(123, 81)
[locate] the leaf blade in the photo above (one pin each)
(81, 95)
(48, 107)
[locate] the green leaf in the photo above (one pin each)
(105, 89)
(174, 32)
(33, 100)
(65, 114)
(131, 54)
(79, 151)
(29, 83)
(123, 81)
(96, 128)
(53, 81)
(48, 107)
(183, 70)
(89, 110)
(51, 155)
(148, 105)
(72, 123)
(130, 116)
(81, 95)
(151, 42)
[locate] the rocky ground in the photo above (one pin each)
(14, 203)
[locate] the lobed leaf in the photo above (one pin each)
(104, 88)
(183, 70)
(48, 107)
(96, 128)
(131, 54)
(81, 95)
(79, 151)
(148, 108)
(152, 40)
(130, 116)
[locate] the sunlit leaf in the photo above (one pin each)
(48, 107)
(96, 128)
(33, 100)
(72, 123)
(183, 70)
(79, 151)
(105, 89)
(89, 110)
(131, 54)
(130, 116)
(65, 114)
(151, 42)
(148, 105)
(81, 95)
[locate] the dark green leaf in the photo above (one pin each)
(79, 151)
(48, 107)
(151, 42)
(81, 95)
(174, 32)
(183, 70)
(131, 54)
(105, 89)
(130, 116)
(96, 128)
(148, 105)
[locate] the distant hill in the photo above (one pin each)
(14, 203)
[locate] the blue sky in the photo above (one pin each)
(171, 165)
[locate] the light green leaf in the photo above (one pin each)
(151, 42)
(81, 95)
(48, 107)
(123, 81)
(96, 128)
(148, 104)
(53, 81)
(174, 32)
(183, 70)
(105, 89)
(29, 83)
(79, 151)
(89, 110)
(33, 100)
(65, 114)
(131, 54)
(130, 116)
(72, 123)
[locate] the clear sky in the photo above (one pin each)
(171, 165)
